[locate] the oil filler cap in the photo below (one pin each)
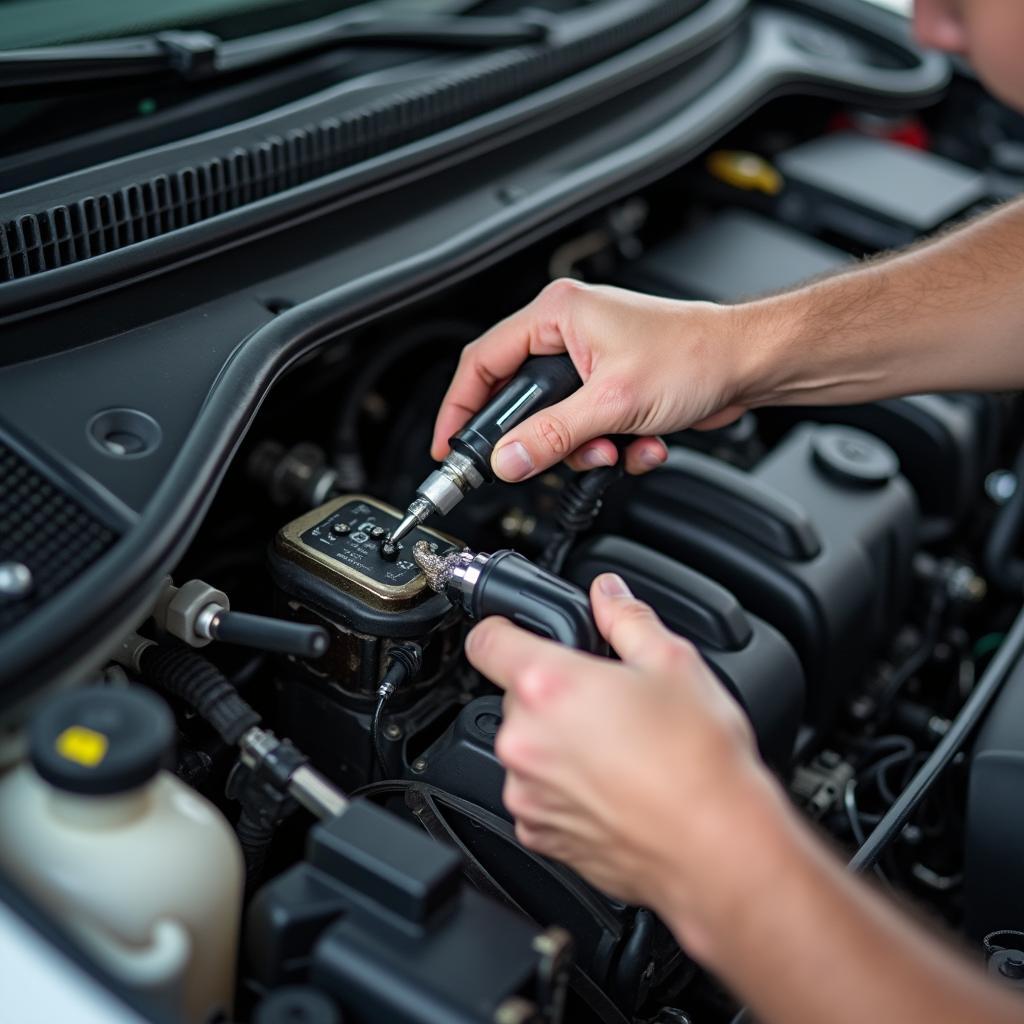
(101, 740)
(854, 457)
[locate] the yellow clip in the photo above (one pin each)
(82, 745)
(747, 171)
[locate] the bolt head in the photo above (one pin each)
(911, 835)
(15, 581)
(393, 732)
(1000, 486)
(515, 1011)
(419, 764)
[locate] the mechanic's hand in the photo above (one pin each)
(642, 775)
(648, 365)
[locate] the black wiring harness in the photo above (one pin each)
(405, 662)
(961, 729)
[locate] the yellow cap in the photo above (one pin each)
(744, 170)
(82, 745)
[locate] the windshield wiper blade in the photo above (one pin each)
(131, 57)
(453, 31)
(193, 55)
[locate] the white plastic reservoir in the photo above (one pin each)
(144, 872)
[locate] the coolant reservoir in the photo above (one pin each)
(145, 873)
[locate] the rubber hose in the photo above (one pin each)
(578, 507)
(185, 674)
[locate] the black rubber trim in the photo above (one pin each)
(914, 86)
(74, 629)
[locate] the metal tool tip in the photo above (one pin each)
(404, 528)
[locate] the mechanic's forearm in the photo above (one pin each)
(946, 315)
(819, 945)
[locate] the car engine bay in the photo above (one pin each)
(851, 574)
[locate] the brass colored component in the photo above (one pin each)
(385, 597)
(746, 171)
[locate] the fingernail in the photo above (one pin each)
(594, 457)
(512, 461)
(652, 457)
(614, 585)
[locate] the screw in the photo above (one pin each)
(377, 532)
(340, 529)
(861, 708)
(393, 732)
(1000, 486)
(911, 835)
(419, 764)
(15, 581)
(515, 1011)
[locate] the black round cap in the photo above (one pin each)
(101, 740)
(854, 457)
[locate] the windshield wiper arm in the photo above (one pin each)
(198, 55)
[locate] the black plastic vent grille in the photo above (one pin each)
(44, 529)
(81, 229)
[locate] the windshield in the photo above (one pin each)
(27, 23)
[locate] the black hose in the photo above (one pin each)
(877, 774)
(578, 506)
(962, 727)
(853, 816)
(200, 684)
(185, 674)
(1003, 566)
(406, 660)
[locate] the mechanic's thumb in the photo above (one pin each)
(548, 436)
(632, 627)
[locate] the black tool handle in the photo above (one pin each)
(542, 381)
(267, 634)
(538, 600)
